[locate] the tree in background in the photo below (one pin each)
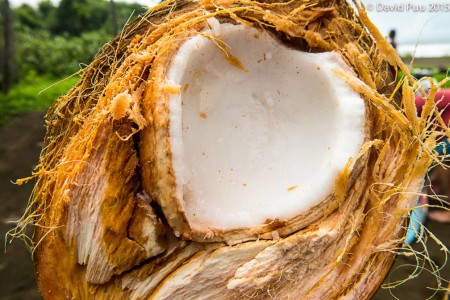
(57, 40)
(46, 10)
(10, 72)
(74, 17)
(28, 16)
(115, 25)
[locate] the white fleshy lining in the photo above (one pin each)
(259, 141)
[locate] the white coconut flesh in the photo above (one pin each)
(259, 131)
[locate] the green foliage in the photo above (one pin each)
(25, 96)
(57, 55)
(55, 40)
(441, 76)
(46, 9)
(29, 17)
(75, 17)
(126, 11)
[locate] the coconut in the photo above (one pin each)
(230, 149)
(296, 123)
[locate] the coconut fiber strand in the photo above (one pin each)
(101, 230)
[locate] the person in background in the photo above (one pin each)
(392, 34)
(439, 176)
(438, 179)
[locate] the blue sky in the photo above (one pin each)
(414, 20)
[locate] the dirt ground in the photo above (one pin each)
(20, 143)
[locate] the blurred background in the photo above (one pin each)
(44, 42)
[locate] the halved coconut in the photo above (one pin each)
(231, 149)
(258, 131)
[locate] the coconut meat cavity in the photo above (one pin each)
(259, 131)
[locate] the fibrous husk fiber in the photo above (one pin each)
(103, 229)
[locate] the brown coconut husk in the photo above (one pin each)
(103, 227)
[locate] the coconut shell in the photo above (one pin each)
(107, 227)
